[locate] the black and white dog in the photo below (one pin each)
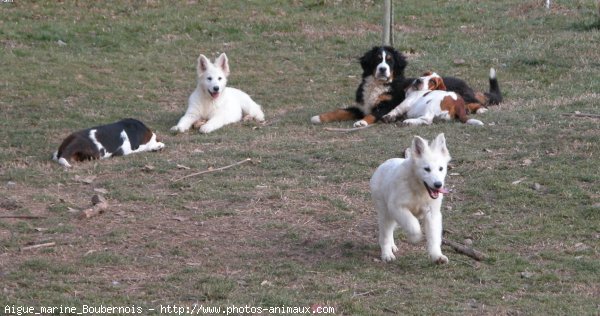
(122, 138)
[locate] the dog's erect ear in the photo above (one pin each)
(439, 145)
(203, 64)
(418, 148)
(223, 63)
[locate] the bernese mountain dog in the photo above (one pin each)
(122, 138)
(380, 91)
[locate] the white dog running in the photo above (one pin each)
(408, 190)
(212, 101)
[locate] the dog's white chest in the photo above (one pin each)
(372, 90)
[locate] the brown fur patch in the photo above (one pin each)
(147, 136)
(370, 119)
(384, 97)
(455, 108)
(337, 115)
(437, 84)
(481, 98)
(473, 107)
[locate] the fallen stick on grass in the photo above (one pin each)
(99, 206)
(460, 248)
(345, 130)
(22, 216)
(48, 244)
(577, 114)
(212, 170)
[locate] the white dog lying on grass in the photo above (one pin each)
(212, 104)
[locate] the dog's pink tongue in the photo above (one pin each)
(443, 190)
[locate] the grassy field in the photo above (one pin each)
(296, 226)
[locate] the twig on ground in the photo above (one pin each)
(99, 206)
(346, 130)
(22, 216)
(460, 248)
(48, 244)
(212, 170)
(363, 293)
(578, 114)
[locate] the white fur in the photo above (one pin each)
(383, 71)
(398, 188)
(422, 105)
(213, 101)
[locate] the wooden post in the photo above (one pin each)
(388, 23)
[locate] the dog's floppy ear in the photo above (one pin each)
(203, 63)
(439, 144)
(399, 64)
(223, 63)
(418, 147)
(366, 61)
(439, 83)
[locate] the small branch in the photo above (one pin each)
(460, 248)
(346, 130)
(48, 244)
(22, 216)
(363, 293)
(577, 114)
(94, 211)
(212, 170)
(99, 206)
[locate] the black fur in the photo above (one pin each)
(80, 147)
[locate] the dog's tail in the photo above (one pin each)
(494, 95)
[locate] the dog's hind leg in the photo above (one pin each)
(409, 223)
(433, 231)
(253, 110)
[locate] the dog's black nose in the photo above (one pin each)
(216, 88)
(382, 69)
(437, 184)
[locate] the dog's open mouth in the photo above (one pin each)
(435, 193)
(214, 94)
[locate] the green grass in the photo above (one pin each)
(296, 226)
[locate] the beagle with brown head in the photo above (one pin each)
(426, 100)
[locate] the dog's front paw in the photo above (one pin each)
(481, 110)
(412, 122)
(199, 123)
(361, 123)
(177, 129)
(388, 118)
(439, 259)
(315, 119)
(207, 128)
(159, 146)
(387, 256)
